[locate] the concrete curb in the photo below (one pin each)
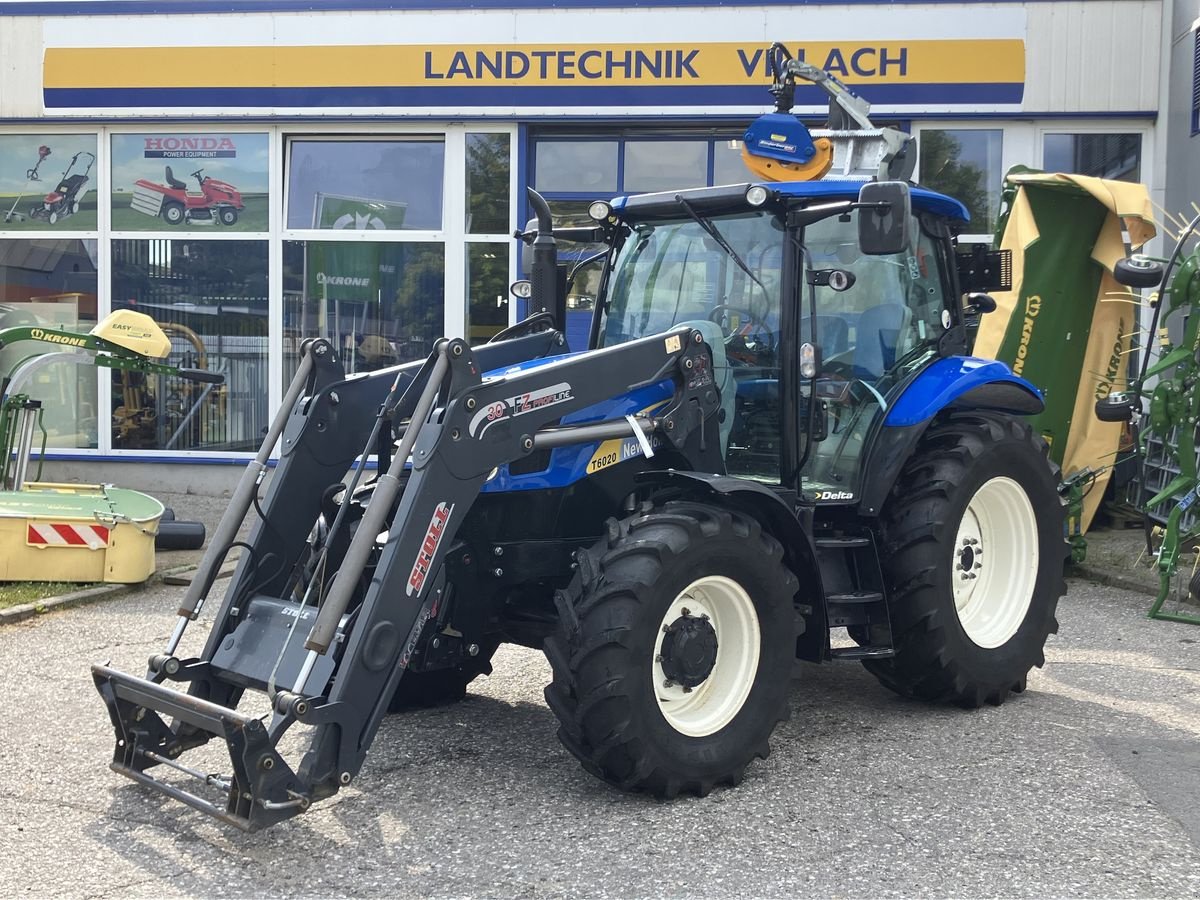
(1112, 579)
(14, 614)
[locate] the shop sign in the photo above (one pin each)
(950, 65)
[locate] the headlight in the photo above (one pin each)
(757, 195)
(522, 290)
(600, 210)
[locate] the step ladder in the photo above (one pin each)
(850, 570)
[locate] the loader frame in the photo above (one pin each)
(339, 677)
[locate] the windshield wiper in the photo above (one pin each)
(712, 232)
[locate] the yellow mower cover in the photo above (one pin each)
(1066, 324)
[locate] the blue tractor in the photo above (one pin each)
(776, 447)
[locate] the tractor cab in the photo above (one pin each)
(815, 323)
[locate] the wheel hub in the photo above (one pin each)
(993, 590)
(706, 655)
(689, 650)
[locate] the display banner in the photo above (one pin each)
(187, 180)
(47, 182)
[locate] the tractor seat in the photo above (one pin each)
(833, 334)
(877, 334)
(175, 182)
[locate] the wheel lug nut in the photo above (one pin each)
(685, 611)
(978, 565)
(686, 689)
(668, 683)
(658, 657)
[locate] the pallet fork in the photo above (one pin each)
(340, 677)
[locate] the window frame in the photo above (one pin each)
(1195, 129)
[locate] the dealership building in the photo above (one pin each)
(252, 174)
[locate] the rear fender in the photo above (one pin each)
(957, 382)
(778, 518)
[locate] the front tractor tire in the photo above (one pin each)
(974, 554)
(673, 657)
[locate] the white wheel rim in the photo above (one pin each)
(712, 704)
(994, 562)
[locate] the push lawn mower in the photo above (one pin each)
(65, 199)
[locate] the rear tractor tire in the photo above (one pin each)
(673, 657)
(974, 554)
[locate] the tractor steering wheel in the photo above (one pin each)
(199, 175)
(722, 313)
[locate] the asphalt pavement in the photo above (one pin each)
(1086, 785)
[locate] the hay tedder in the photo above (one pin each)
(776, 431)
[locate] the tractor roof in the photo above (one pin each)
(710, 199)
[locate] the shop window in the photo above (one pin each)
(966, 165)
(665, 165)
(379, 304)
(487, 291)
(728, 167)
(488, 173)
(48, 182)
(365, 185)
(179, 181)
(1115, 156)
(51, 283)
(575, 166)
(210, 297)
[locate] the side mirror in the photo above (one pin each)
(1138, 272)
(883, 223)
(981, 303)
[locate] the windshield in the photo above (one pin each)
(673, 272)
(676, 272)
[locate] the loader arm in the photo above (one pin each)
(339, 674)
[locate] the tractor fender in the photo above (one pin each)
(778, 518)
(964, 382)
(958, 382)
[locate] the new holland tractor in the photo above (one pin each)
(776, 432)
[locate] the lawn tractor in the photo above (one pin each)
(217, 202)
(775, 438)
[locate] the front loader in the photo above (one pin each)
(776, 447)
